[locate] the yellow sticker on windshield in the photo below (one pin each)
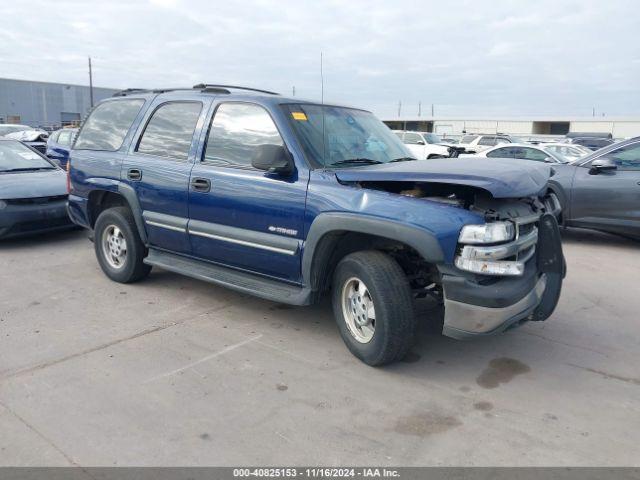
(299, 116)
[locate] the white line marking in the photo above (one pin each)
(204, 359)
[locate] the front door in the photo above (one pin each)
(609, 199)
(240, 216)
(158, 167)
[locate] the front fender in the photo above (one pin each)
(419, 239)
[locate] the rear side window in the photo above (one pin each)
(108, 124)
(506, 152)
(468, 138)
(237, 129)
(170, 130)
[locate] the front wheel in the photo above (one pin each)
(119, 250)
(373, 307)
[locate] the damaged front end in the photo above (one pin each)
(506, 270)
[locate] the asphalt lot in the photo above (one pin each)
(173, 371)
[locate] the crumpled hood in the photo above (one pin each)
(503, 178)
(46, 183)
(29, 136)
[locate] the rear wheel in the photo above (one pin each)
(119, 250)
(373, 307)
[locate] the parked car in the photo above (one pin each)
(33, 192)
(7, 128)
(602, 191)
(592, 141)
(522, 151)
(477, 143)
(423, 145)
(59, 144)
(287, 200)
(36, 139)
(569, 151)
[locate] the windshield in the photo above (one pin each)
(431, 137)
(556, 155)
(6, 129)
(15, 157)
(350, 136)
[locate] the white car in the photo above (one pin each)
(423, 145)
(474, 143)
(7, 128)
(570, 151)
(522, 151)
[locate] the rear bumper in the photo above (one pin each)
(474, 309)
(29, 219)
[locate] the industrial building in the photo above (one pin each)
(618, 127)
(44, 104)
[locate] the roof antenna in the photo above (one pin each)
(324, 140)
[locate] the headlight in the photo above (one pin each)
(493, 232)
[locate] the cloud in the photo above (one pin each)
(465, 56)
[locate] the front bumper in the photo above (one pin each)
(474, 308)
(28, 219)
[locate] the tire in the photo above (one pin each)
(117, 224)
(387, 288)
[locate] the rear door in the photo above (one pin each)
(158, 166)
(416, 144)
(240, 216)
(609, 199)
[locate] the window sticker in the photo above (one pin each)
(300, 116)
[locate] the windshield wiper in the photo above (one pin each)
(27, 169)
(403, 159)
(356, 161)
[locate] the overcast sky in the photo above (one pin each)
(470, 58)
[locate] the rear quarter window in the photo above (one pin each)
(108, 124)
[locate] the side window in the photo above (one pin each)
(236, 130)
(501, 153)
(399, 135)
(64, 138)
(534, 154)
(627, 157)
(170, 130)
(108, 124)
(412, 138)
(487, 141)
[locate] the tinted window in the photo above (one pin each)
(170, 130)
(506, 152)
(534, 154)
(627, 158)
(412, 138)
(487, 141)
(108, 124)
(237, 129)
(468, 138)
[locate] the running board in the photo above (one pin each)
(236, 280)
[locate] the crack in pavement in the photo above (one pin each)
(11, 374)
(40, 434)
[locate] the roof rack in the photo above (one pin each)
(129, 91)
(212, 87)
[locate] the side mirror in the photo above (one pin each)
(602, 164)
(272, 159)
(420, 142)
(549, 160)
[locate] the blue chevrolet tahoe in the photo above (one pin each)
(289, 200)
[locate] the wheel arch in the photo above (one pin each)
(122, 195)
(334, 235)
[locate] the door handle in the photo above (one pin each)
(201, 184)
(134, 174)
